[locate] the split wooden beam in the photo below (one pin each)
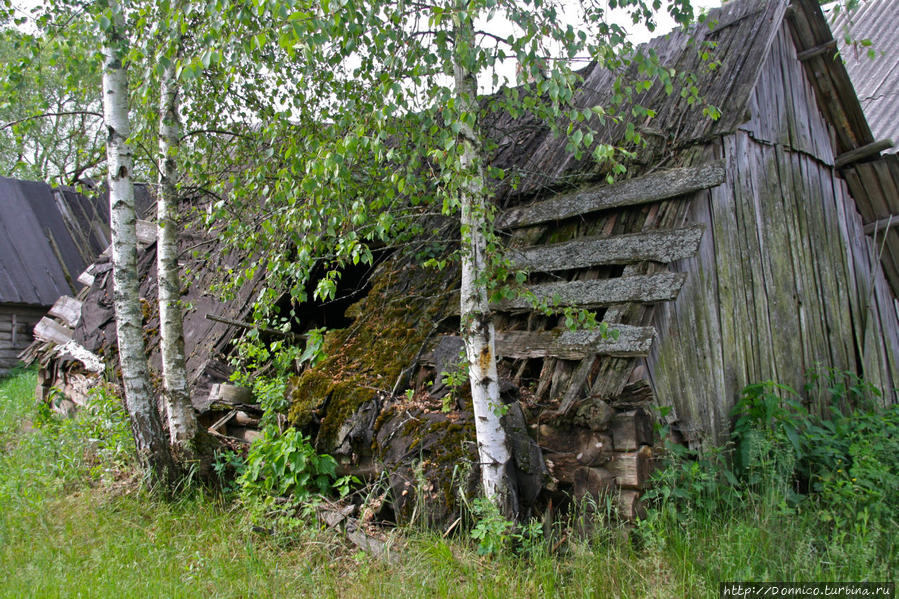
(574, 345)
(654, 187)
(664, 245)
(603, 292)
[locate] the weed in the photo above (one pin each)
(286, 464)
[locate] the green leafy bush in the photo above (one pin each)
(837, 464)
(495, 534)
(285, 464)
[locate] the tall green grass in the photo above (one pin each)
(75, 522)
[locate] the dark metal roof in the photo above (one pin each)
(876, 79)
(47, 238)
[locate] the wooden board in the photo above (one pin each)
(657, 246)
(68, 310)
(574, 345)
(642, 190)
(48, 329)
(604, 292)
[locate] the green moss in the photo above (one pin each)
(392, 323)
(306, 393)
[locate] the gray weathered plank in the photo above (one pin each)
(603, 292)
(657, 246)
(656, 186)
(574, 345)
(67, 309)
(48, 329)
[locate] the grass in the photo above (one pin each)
(73, 524)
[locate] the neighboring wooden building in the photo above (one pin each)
(47, 238)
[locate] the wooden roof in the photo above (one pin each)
(739, 36)
(47, 237)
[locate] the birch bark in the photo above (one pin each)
(146, 425)
(478, 331)
(181, 417)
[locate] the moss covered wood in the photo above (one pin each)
(641, 190)
(606, 292)
(657, 246)
(393, 322)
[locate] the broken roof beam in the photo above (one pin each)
(654, 187)
(664, 245)
(858, 154)
(603, 292)
(575, 345)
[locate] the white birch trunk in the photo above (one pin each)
(182, 420)
(478, 331)
(149, 437)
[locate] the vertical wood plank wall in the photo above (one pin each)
(785, 278)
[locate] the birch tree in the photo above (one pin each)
(146, 425)
(478, 332)
(181, 417)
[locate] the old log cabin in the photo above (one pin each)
(733, 252)
(47, 237)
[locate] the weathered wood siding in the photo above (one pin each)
(16, 323)
(785, 278)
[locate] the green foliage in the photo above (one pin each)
(265, 368)
(228, 466)
(50, 121)
(832, 471)
(495, 534)
(286, 464)
(103, 424)
(454, 381)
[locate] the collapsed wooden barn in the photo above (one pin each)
(732, 253)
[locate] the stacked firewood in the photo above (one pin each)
(612, 457)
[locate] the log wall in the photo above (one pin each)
(16, 324)
(785, 278)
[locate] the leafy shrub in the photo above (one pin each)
(265, 367)
(103, 422)
(495, 534)
(839, 463)
(285, 464)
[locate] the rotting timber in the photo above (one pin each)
(382, 400)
